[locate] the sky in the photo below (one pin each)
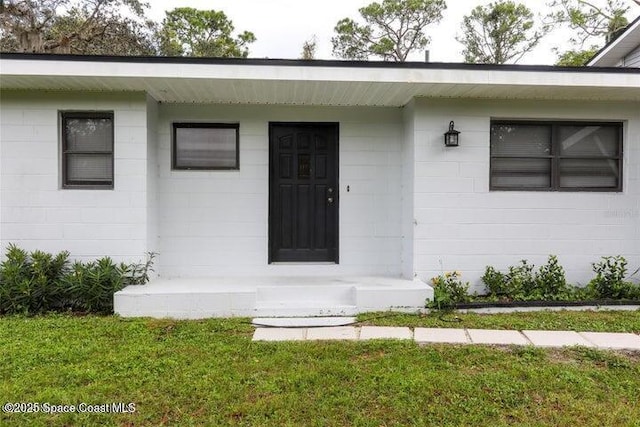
(282, 26)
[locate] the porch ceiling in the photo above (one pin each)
(298, 83)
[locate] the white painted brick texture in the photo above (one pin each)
(461, 225)
(36, 213)
(216, 222)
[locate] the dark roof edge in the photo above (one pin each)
(310, 63)
(606, 46)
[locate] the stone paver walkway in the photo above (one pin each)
(602, 340)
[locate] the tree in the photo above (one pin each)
(576, 58)
(88, 26)
(191, 32)
(591, 21)
(392, 30)
(498, 33)
(309, 48)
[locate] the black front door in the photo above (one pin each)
(303, 192)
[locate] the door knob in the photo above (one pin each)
(329, 200)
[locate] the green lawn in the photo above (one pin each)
(592, 321)
(210, 373)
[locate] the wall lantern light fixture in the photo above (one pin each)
(452, 137)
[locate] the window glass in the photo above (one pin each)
(589, 141)
(520, 140)
(589, 173)
(87, 134)
(556, 156)
(205, 146)
(527, 173)
(87, 150)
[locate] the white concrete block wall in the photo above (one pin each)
(215, 223)
(153, 232)
(36, 213)
(408, 194)
(461, 225)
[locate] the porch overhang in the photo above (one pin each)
(320, 83)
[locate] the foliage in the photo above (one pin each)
(548, 283)
(499, 33)
(108, 27)
(495, 281)
(40, 282)
(191, 32)
(30, 282)
(91, 285)
(391, 30)
(521, 280)
(610, 282)
(551, 283)
(449, 290)
(576, 58)
(517, 284)
(210, 373)
(309, 49)
(590, 22)
(523, 283)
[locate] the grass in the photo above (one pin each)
(210, 373)
(591, 321)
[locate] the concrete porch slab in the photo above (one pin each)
(556, 338)
(279, 334)
(270, 296)
(613, 341)
(333, 333)
(442, 336)
(385, 332)
(496, 337)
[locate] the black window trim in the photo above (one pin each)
(85, 114)
(203, 125)
(554, 158)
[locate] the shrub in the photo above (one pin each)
(39, 282)
(610, 280)
(92, 285)
(449, 290)
(522, 282)
(31, 282)
(495, 281)
(551, 283)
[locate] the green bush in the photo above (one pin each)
(449, 290)
(523, 283)
(39, 282)
(551, 283)
(31, 282)
(610, 282)
(495, 282)
(92, 285)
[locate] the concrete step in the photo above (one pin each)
(299, 309)
(302, 301)
(315, 295)
(302, 322)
